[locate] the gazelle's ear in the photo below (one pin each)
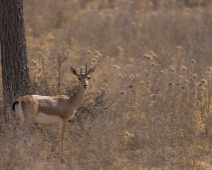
(73, 70)
(90, 72)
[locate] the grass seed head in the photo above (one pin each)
(195, 76)
(132, 76)
(193, 61)
(120, 76)
(99, 55)
(149, 57)
(96, 52)
(172, 69)
(179, 47)
(116, 67)
(122, 92)
(184, 68)
(204, 81)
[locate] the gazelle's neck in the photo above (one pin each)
(77, 99)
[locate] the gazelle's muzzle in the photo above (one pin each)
(85, 86)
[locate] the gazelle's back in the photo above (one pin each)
(49, 109)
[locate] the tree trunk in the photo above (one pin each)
(15, 73)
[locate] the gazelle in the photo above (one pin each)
(48, 109)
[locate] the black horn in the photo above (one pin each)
(86, 68)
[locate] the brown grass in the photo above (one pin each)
(149, 104)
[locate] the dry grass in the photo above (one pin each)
(149, 105)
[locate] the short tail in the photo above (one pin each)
(13, 106)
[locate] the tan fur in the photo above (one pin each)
(48, 109)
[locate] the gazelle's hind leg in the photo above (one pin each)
(23, 124)
(62, 132)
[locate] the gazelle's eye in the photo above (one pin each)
(79, 79)
(89, 78)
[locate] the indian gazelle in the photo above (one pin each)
(49, 109)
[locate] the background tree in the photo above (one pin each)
(15, 74)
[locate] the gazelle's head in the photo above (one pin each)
(84, 77)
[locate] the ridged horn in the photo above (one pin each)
(86, 68)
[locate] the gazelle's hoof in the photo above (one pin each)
(63, 161)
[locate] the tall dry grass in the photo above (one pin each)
(149, 104)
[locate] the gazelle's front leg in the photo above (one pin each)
(62, 132)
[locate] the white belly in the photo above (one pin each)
(43, 118)
(72, 116)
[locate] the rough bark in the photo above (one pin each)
(15, 74)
